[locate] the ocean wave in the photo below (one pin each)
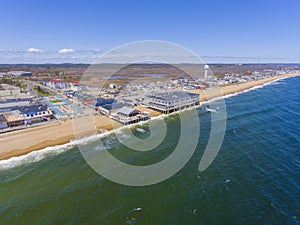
(34, 156)
(38, 155)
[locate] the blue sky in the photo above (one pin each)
(219, 31)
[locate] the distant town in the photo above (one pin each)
(29, 99)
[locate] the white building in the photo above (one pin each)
(56, 84)
(127, 115)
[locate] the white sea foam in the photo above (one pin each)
(34, 156)
(138, 209)
(38, 155)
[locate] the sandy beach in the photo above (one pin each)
(21, 142)
(214, 92)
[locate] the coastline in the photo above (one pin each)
(21, 142)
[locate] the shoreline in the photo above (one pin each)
(21, 142)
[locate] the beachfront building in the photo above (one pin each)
(109, 109)
(13, 118)
(127, 115)
(168, 102)
(3, 123)
(18, 116)
(35, 113)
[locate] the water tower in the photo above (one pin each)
(206, 68)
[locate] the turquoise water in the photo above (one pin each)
(255, 178)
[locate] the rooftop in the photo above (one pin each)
(13, 116)
(15, 100)
(32, 109)
(127, 110)
(116, 105)
(175, 95)
(58, 81)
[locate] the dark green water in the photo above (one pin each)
(255, 178)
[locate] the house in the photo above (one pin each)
(3, 123)
(168, 102)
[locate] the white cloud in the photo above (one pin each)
(34, 50)
(66, 50)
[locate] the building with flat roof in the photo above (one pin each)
(22, 115)
(104, 101)
(14, 119)
(8, 103)
(168, 102)
(108, 109)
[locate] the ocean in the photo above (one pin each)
(255, 178)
